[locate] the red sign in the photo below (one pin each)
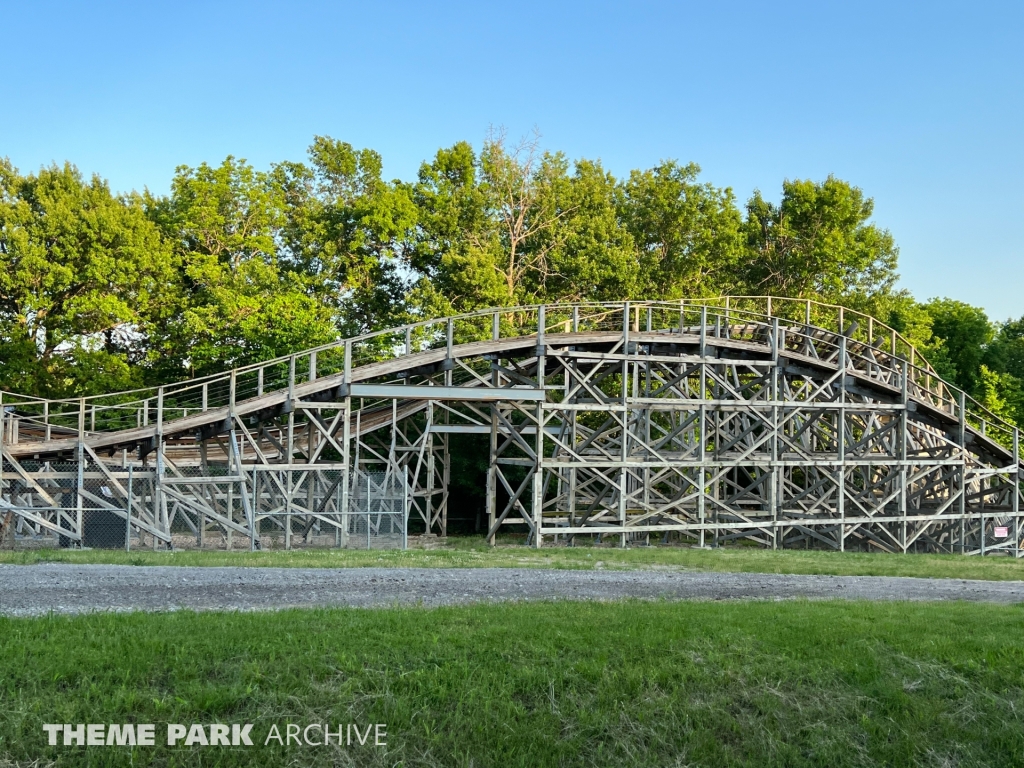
(1002, 532)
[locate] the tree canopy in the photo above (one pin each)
(817, 241)
(84, 282)
(235, 264)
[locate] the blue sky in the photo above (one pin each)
(919, 104)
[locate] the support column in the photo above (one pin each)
(346, 439)
(961, 437)
(446, 477)
(492, 476)
(3, 447)
(841, 441)
(904, 400)
(160, 502)
(80, 454)
(538, 442)
(573, 478)
(1015, 505)
(624, 416)
(492, 467)
(538, 505)
(773, 490)
(702, 426)
(248, 509)
(428, 501)
(346, 469)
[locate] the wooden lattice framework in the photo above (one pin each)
(783, 422)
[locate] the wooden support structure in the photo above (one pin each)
(779, 422)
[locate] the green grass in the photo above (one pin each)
(473, 553)
(581, 684)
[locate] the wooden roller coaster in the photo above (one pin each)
(780, 422)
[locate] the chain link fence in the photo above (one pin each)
(378, 510)
(204, 508)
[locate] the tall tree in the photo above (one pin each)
(344, 229)
(588, 254)
(84, 278)
(514, 226)
(455, 249)
(237, 304)
(817, 242)
(1006, 352)
(687, 234)
(964, 332)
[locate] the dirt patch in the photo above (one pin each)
(38, 589)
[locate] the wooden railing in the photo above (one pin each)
(871, 345)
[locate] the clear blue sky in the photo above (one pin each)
(919, 104)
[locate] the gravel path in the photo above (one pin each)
(39, 589)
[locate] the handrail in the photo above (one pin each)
(119, 409)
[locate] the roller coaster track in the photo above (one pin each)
(784, 422)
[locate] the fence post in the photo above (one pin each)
(252, 518)
(291, 381)
(128, 516)
(79, 508)
(541, 320)
(160, 511)
(405, 515)
(1016, 493)
(703, 335)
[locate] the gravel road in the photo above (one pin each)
(27, 590)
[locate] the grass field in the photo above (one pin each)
(626, 684)
(473, 553)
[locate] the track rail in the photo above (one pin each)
(876, 353)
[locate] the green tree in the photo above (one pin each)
(963, 332)
(1006, 352)
(456, 250)
(515, 226)
(236, 303)
(1002, 394)
(84, 279)
(344, 230)
(586, 254)
(816, 243)
(687, 234)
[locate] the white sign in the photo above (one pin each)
(215, 734)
